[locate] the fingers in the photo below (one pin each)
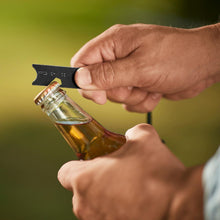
(134, 99)
(126, 95)
(105, 60)
(74, 174)
(70, 172)
(107, 75)
(147, 105)
(143, 140)
(98, 96)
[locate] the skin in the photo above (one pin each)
(142, 180)
(136, 65)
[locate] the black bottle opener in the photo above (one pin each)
(47, 73)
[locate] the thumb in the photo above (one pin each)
(107, 75)
(142, 132)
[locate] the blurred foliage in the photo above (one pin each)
(50, 32)
(202, 10)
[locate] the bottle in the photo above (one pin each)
(84, 134)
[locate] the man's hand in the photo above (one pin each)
(138, 64)
(142, 180)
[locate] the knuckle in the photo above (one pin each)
(141, 134)
(136, 108)
(78, 210)
(116, 27)
(119, 95)
(63, 171)
(81, 208)
(78, 181)
(145, 130)
(148, 105)
(146, 109)
(85, 94)
(143, 109)
(81, 183)
(75, 61)
(116, 30)
(128, 108)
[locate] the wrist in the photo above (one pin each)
(211, 42)
(187, 203)
(215, 31)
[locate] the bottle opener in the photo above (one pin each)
(47, 73)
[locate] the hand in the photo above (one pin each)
(139, 181)
(138, 64)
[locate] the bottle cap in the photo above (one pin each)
(52, 87)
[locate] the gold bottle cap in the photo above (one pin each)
(53, 86)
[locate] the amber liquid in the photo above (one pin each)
(90, 139)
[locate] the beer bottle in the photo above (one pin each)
(85, 135)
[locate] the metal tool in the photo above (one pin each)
(46, 74)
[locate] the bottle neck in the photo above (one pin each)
(61, 109)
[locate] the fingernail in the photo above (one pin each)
(83, 77)
(155, 95)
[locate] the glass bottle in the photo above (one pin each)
(84, 134)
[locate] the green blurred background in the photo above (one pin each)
(50, 32)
